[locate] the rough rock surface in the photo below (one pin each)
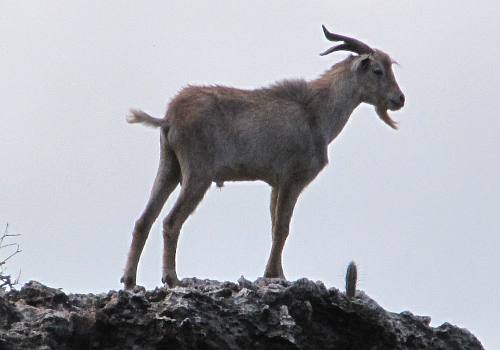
(266, 314)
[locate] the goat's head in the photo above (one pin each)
(373, 69)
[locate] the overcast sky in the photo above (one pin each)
(418, 209)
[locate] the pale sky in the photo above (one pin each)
(418, 209)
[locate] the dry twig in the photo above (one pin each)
(6, 280)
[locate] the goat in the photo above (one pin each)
(277, 134)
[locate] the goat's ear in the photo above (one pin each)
(361, 62)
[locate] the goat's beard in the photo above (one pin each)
(382, 113)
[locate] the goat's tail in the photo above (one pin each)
(137, 116)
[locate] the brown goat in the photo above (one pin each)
(277, 134)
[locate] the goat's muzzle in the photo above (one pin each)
(397, 102)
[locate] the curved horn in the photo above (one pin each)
(349, 44)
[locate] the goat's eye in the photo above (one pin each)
(378, 72)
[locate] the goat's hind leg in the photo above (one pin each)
(193, 190)
(166, 180)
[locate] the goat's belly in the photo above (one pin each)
(244, 172)
(272, 163)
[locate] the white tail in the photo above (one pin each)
(136, 116)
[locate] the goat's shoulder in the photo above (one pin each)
(293, 90)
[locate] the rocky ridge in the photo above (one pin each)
(204, 314)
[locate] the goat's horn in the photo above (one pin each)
(341, 47)
(350, 44)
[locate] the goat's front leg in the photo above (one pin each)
(274, 198)
(285, 200)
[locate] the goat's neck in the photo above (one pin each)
(336, 97)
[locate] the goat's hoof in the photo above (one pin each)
(277, 277)
(170, 281)
(128, 282)
(274, 274)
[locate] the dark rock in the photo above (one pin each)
(205, 314)
(35, 294)
(8, 313)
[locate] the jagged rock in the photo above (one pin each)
(205, 314)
